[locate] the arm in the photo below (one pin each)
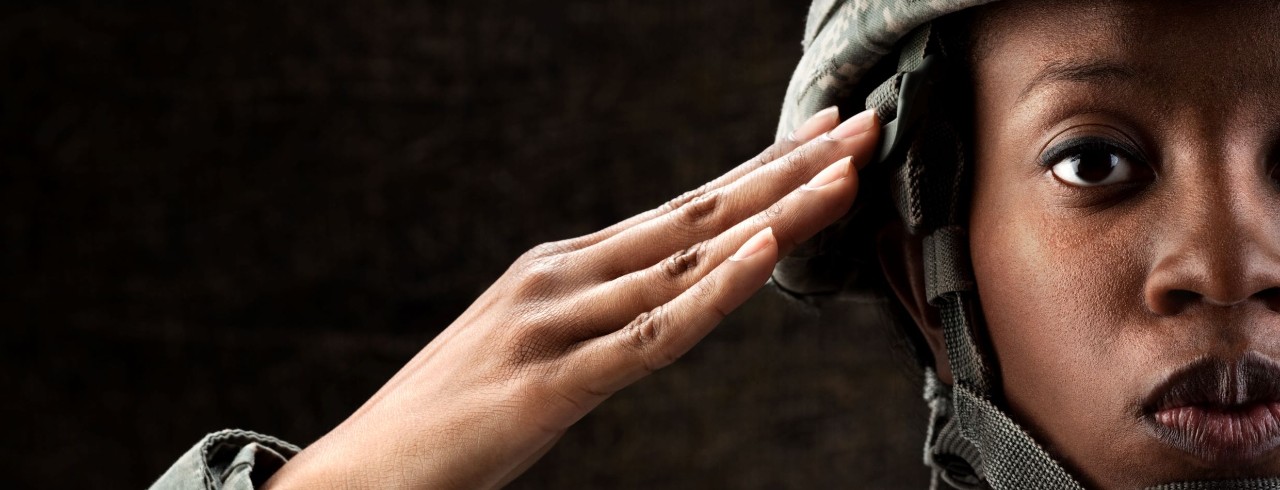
(574, 321)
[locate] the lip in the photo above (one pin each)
(1224, 412)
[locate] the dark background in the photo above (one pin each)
(250, 214)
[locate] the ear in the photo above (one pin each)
(902, 262)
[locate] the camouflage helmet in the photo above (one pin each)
(851, 49)
(891, 56)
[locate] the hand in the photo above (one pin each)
(572, 322)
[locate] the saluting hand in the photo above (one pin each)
(572, 322)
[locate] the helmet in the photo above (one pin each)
(892, 54)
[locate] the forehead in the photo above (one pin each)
(1150, 21)
(1169, 45)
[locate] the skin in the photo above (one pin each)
(1093, 295)
(574, 321)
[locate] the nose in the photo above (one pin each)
(1220, 249)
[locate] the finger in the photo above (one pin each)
(659, 337)
(794, 219)
(710, 214)
(815, 126)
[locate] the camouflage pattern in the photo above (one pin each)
(843, 39)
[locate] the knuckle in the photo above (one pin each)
(779, 148)
(544, 250)
(644, 331)
(808, 157)
(644, 334)
(682, 263)
(541, 276)
(795, 158)
(699, 214)
(683, 199)
(774, 211)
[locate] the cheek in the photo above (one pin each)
(1060, 293)
(1045, 274)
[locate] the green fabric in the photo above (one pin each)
(227, 460)
(843, 40)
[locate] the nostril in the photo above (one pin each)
(1271, 298)
(1182, 296)
(1174, 301)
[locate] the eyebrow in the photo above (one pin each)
(1092, 71)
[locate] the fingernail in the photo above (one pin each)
(855, 125)
(813, 126)
(832, 173)
(755, 244)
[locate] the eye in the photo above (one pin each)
(1094, 163)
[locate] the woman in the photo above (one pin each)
(1101, 175)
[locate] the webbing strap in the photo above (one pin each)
(946, 262)
(884, 99)
(915, 47)
(954, 460)
(901, 103)
(967, 366)
(976, 445)
(1021, 462)
(1009, 457)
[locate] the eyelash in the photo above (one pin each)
(1080, 146)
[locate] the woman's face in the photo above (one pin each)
(1126, 232)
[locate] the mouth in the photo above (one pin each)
(1225, 413)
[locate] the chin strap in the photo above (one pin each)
(952, 459)
(971, 443)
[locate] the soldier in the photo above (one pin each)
(1072, 202)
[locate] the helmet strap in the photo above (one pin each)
(971, 442)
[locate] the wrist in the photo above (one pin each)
(320, 465)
